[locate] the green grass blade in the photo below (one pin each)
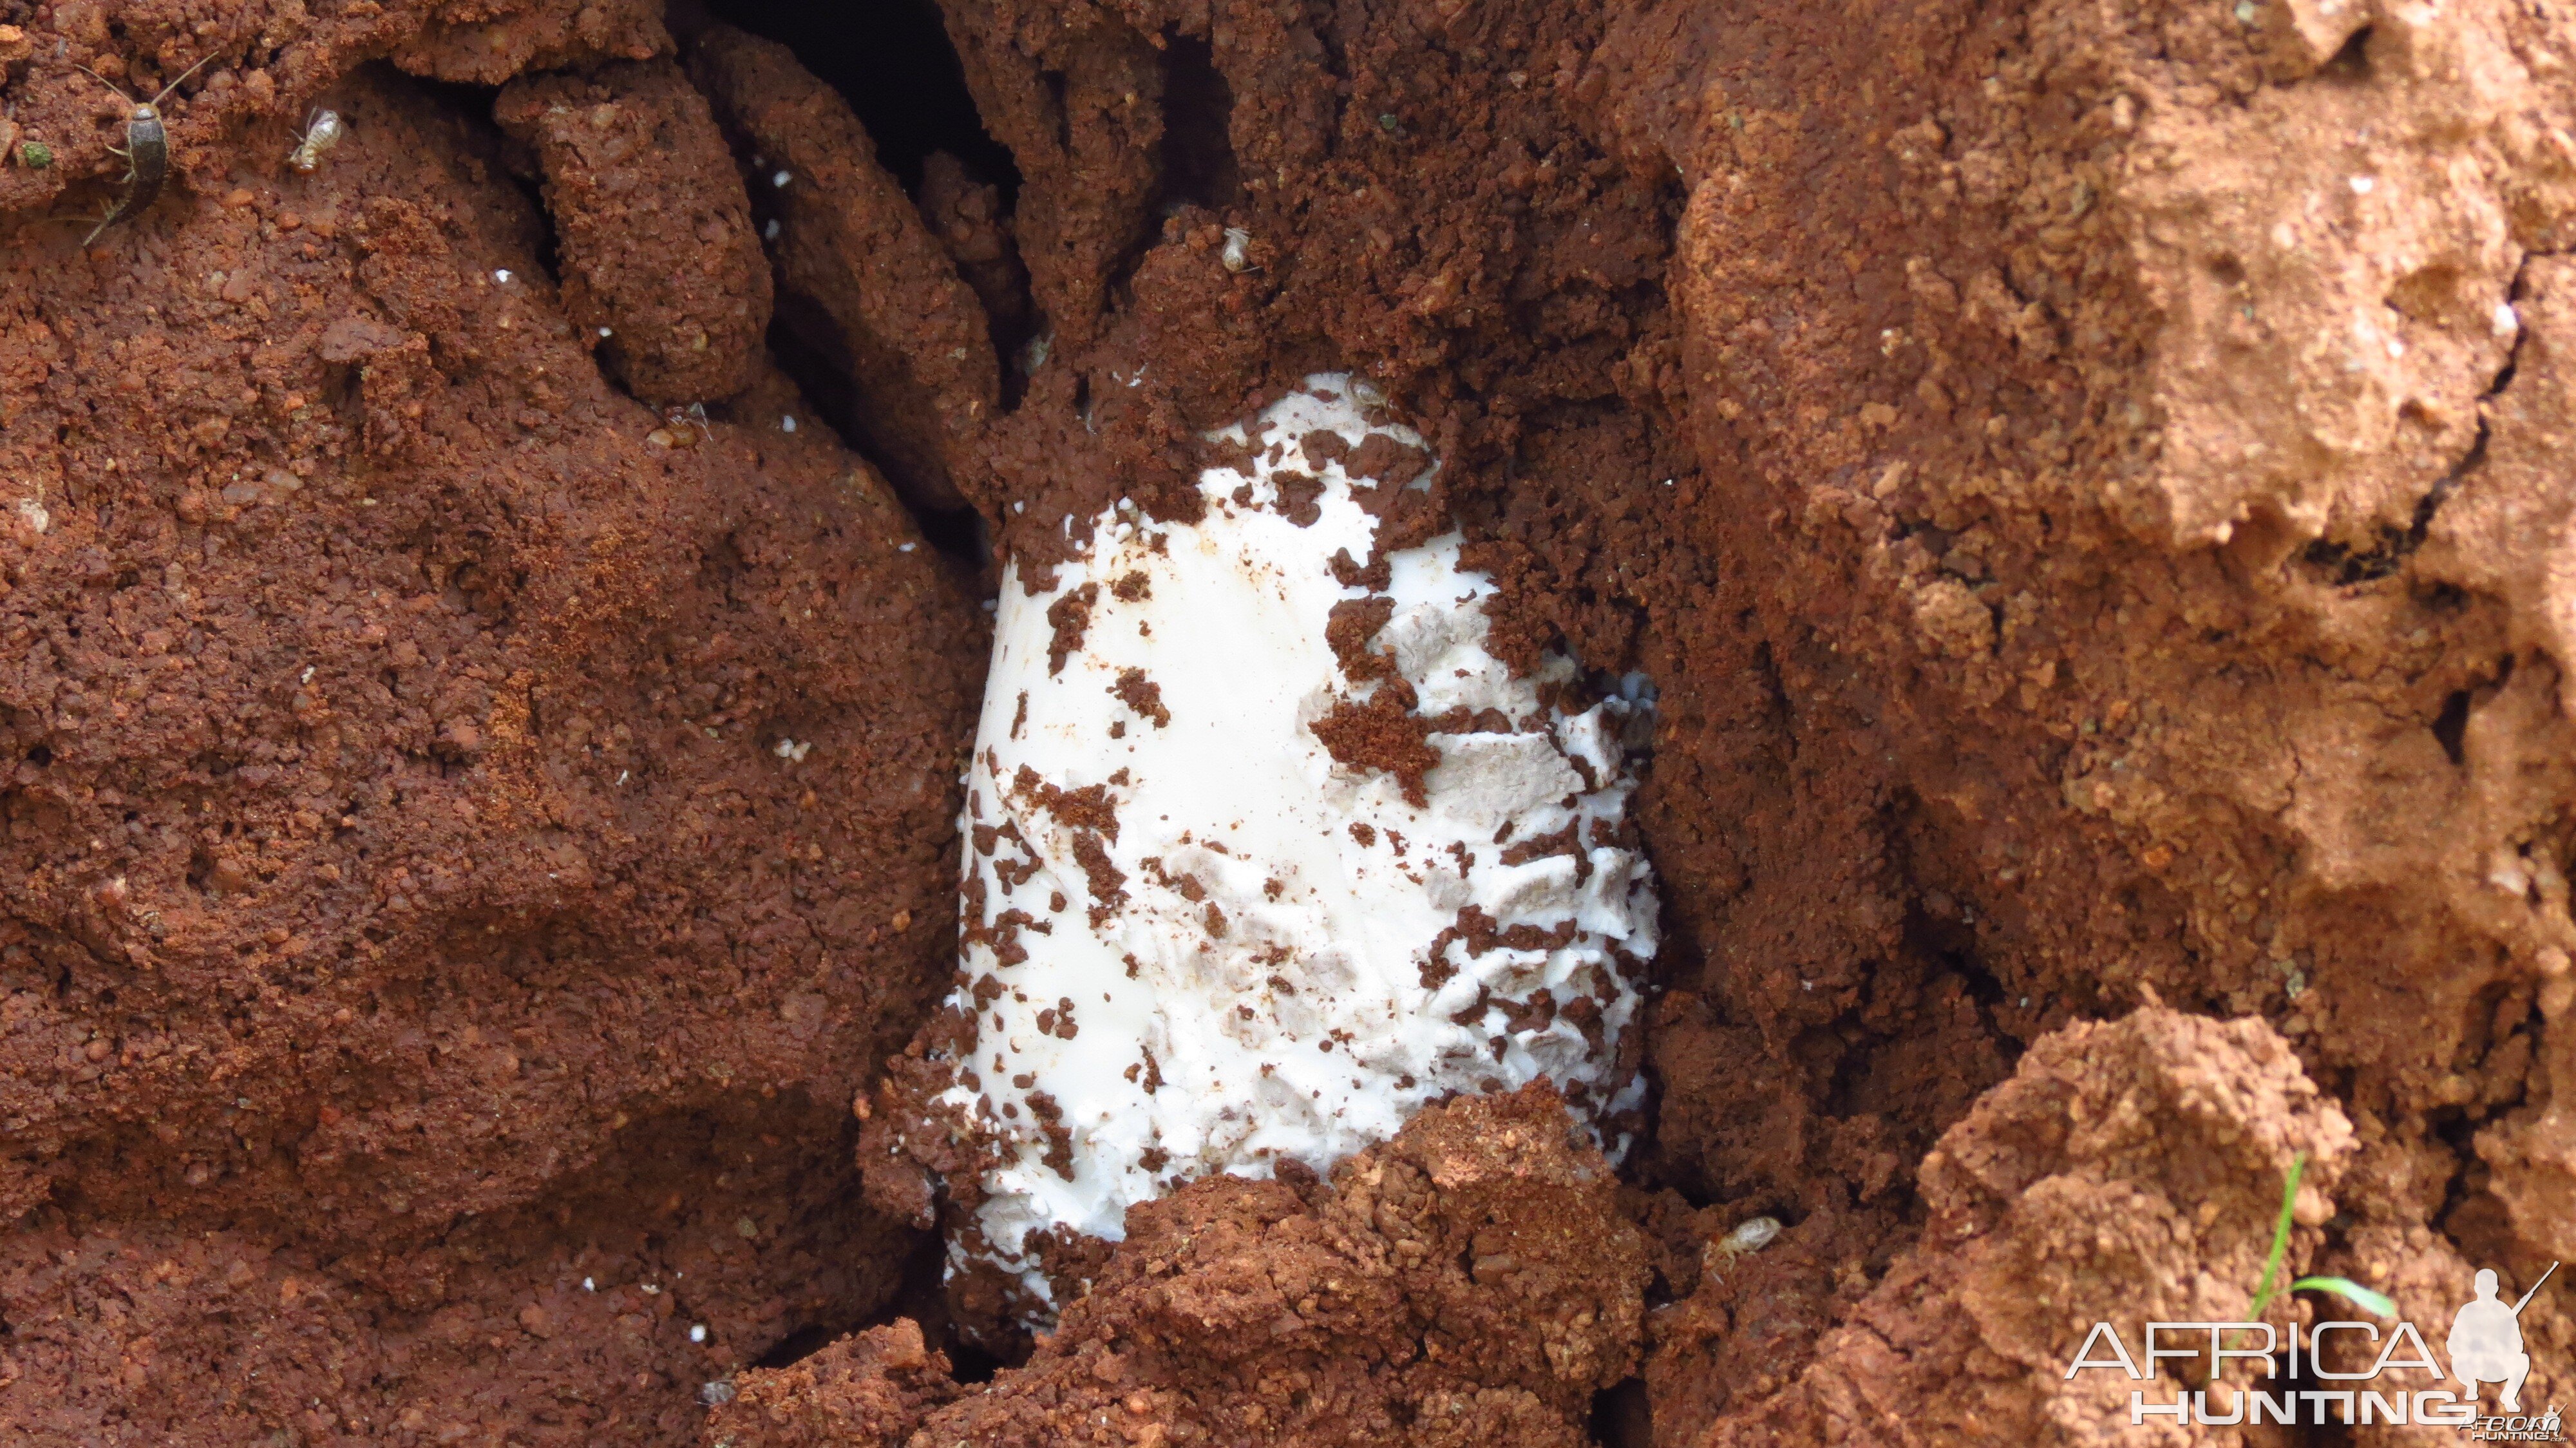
(2351, 1291)
(2263, 1292)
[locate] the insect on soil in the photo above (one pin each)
(146, 149)
(321, 133)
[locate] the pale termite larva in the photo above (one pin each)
(1751, 1235)
(321, 133)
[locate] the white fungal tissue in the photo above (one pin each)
(1211, 918)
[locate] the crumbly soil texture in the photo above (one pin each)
(491, 611)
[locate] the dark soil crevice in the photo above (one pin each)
(892, 60)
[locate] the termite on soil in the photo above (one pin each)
(1750, 1235)
(321, 133)
(682, 426)
(146, 149)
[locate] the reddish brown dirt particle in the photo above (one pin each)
(1070, 616)
(1380, 734)
(1348, 630)
(1142, 695)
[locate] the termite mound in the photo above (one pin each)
(2058, 606)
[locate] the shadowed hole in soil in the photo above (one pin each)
(1198, 150)
(796, 1346)
(1196, 165)
(2344, 565)
(2452, 725)
(2473, 1217)
(922, 1298)
(969, 1364)
(1622, 1417)
(891, 60)
(471, 105)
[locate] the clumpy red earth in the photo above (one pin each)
(2087, 483)
(636, 174)
(407, 914)
(1472, 1281)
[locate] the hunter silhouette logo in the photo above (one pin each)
(2486, 1340)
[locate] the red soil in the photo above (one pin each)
(2085, 480)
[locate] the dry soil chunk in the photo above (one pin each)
(870, 1387)
(440, 729)
(653, 226)
(866, 279)
(1471, 1281)
(969, 219)
(486, 44)
(1080, 104)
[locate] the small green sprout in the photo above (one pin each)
(2378, 1304)
(2344, 1287)
(36, 154)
